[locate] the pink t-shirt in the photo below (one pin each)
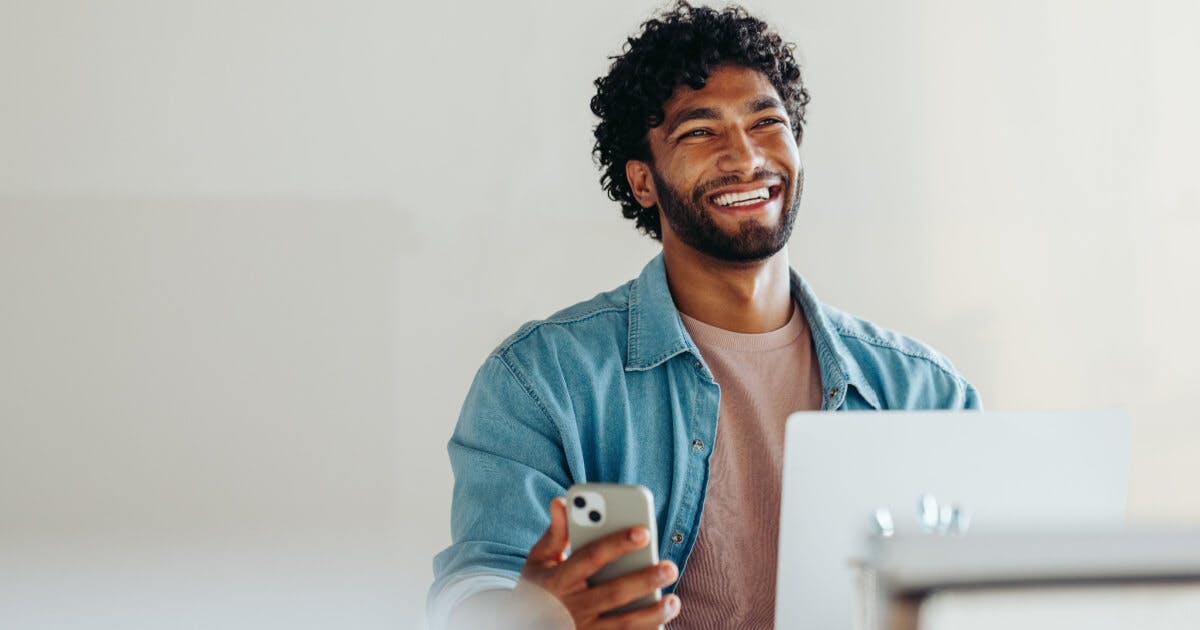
(729, 580)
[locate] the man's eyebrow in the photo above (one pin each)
(698, 113)
(763, 102)
(708, 113)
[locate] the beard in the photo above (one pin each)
(752, 242)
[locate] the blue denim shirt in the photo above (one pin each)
(614, 390)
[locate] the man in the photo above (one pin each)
(681, 379)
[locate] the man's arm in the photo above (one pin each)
(509, 462)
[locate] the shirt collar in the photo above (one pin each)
(655, 331)
(838, 369)
(656, 334)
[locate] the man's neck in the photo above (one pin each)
(739, 297)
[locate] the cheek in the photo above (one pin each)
(786, 149)
(686, 170)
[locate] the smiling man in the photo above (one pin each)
(681, 379)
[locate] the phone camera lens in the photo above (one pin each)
(579, 502)
(594, 515)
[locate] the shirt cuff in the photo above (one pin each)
(458, 590)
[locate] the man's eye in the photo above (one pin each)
(694, 133)
(769, 121)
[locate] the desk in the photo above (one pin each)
(1148, 580)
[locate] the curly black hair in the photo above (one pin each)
(680, 47)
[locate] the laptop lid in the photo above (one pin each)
(1040, 471)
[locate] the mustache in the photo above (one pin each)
(759, 174)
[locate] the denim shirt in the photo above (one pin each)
(614, 390)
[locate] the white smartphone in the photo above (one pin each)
(595, 510)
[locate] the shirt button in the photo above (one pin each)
(677, 537)
(697, 445)
(833, 393)
(697, 363)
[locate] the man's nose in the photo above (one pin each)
(739, 153)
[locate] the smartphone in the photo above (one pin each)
(595, 510)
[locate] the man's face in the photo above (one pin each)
(726, 168)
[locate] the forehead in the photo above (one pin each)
(727, 85)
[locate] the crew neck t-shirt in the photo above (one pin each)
(729, 580)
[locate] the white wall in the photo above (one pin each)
(252, 253)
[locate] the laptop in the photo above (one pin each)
(849, 474)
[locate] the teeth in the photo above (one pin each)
(742, 198)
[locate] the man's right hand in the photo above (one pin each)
(548, 568)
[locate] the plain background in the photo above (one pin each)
(251, 254)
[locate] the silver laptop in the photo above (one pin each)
(1004, 471)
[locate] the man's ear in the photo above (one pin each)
(641, 182)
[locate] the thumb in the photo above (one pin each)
(552, 546)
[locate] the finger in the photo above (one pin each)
(553, 543)
(648, 617)
(559, 540)
(588, 560)
(623, 590)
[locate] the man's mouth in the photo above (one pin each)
(745, 198)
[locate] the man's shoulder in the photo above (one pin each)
(905, 372)
(588, 323)
(862, 336)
